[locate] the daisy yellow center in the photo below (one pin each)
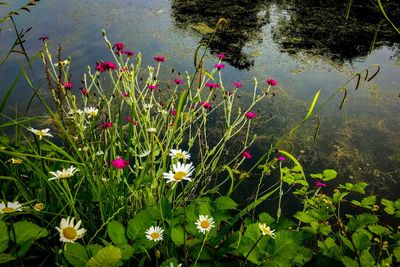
(65, 175)
(179, 175)
(70, 233)
(92, 113)
(154, 235)
(8, 210)
(180, 155)
(40, 133)
(205, 224)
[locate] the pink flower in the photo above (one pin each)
(171, 124)
(129, 120)
(272, 82)
(212, 85)
(159, 58)
(228, 93)
(68, 85)
(119, 46)
(172, 112)
(281, 158)
(319, 184)
(106, 125)
(249, 115)
(246, 154)
(206, 105)
(44, 38)
(237, 84)
(125, 94)
(84, 91)
(105, 66)
(128, 53)
(152, 87)
(119, 163)
(177, 81)
(220, 56)
(219, 66)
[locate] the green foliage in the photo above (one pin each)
(76, 254)
(116, 232)
(107, 256)
(3, 236)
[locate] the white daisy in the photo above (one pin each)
(64, 173)
(10, 207)
(151, 130)
(180, 171)
(147, 106)
(145, 154)
(39, 206)
(179, 154)
(266, 230)
(91, 112)
(70, 232)
(154, 233)
(40, 133)
(204, 224)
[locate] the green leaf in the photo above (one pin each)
(266, 218)
(28, 232)
(225, 203)
(362, 220)
(177, 235)
(76, 254)
(286, 245)
(349, 262)
(126, 251)
(361, 241)
(379, 230)
(116, 232)
(347, 242)
(368, 201)
(93, 249)
(170, 262)
(312, 105)
(304, 217)
(329, 175)
(367, 259)
(3, 236)
(389, 206)
(109, 256)
(396, 252)
(138, 225)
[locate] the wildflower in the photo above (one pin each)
(204, 224)
(44, 38)
(237, 84)
(178, 82)
(228, 93)
(70, 232)
(246, 154)
(129, 120)
(10, 207)
(179, 154)
(64, 173)
(219, 66)
(173, 112)
(128, 53)
(155, 233)
(159, 58)
(206, 105)
(375, 207)
(220, 56)
(106, 125)
(147, 106)
(152, 87)
(91, 111)
(281, 158)
(125, 94)
(68, 85)
(266, 230)
(62, 63)
(38, 206)
(119, 46)
(212, 85)
(180, 172)
(15, 161)
(105, 66)
(119, 163)
(152, 130)
(41, 133)
(145, 153)
(319, 184)
(84, 91)
(99, 153)
(249, 115)
(272, 82)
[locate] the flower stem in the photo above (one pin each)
(255, 244)
(201, 249)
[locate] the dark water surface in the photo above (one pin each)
(305, 45)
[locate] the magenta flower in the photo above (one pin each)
(272, 82)
(119, 163)
(128, 53)
(152, 87)
(249, 115)
(247, 155)
(219, 66)
(44, 38)
(129, 120)
(212, 85)
(319, 184)
(178, 81)
(228, 93)
(125, 94)
(172, 112)
(159, 58)
(119, 46)
(237, 84)
(281, 158)
(106, 125)
(206, 105)
(68, 85)
(220, 56)
(105, 66)
(84, 91)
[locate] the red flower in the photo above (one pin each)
(206, 105)
(173, 112)
(272, 82)
(129, 120)
(84, 91)
(212, 85)
(125, 94)
(281, 158)
(177, 81)
(44, 38)
(128, 53)
(319, 184)
(152, 87)
(119, 46)
(159, 58)
(106, 125)
(105, 66)
(249, 115)
(246, 154)
(68, 85)
(219, 66)
(238, 84)
(119, 163)
(220, 56)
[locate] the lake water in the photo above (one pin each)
(305, 46)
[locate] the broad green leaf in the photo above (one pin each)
(361, 220)
(116, 232)
(126, 251)
(28, 232)
(109, 256)
(368, 201)
(177, 235)
(329, 175)
(224, 203)
(277, 262)
(266, 218)
(170, 262)
(389, 206)
(361, 241)
(138, 225)
(396, 253)
(286, 245)
(349, 262)
(379, 230)
(346, 242)
(304, 217)
(76, 254)
(93, 249)
(367, 259)
(3, 236)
